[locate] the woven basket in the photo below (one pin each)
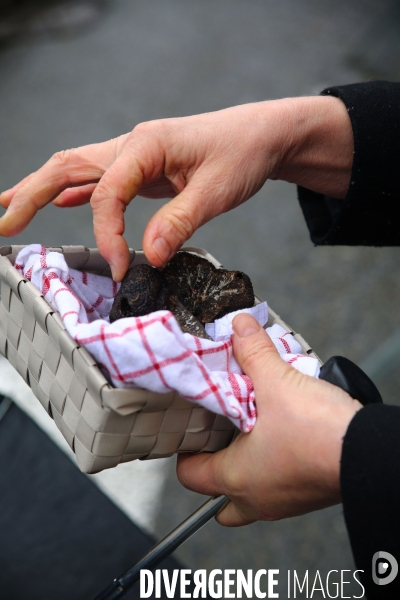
(103, 425)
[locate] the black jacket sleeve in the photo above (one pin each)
(370, 213)
(370, 482)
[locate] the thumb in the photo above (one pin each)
(256, 354)
(176, 222)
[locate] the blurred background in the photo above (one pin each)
(79, 72)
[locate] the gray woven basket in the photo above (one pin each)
(103, 425)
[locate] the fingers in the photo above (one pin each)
(176, 222)
(75, 196)
(257, 355)
(109, 201)
(231, 516)
(141, 161)
(65, 169)
(200, 473)
(204, 474)
(7, 195)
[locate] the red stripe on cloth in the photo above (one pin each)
(70, 291)
(117, 334)
(246, 400)
(203, 351)
(150, 354)
(214, 388)
(91, 309)
(98, 302)
(235, 386)
(84, 277)
(64, 289)
(46, 284)
(235, 412)
(46, 281)
(199, 396)
(167, 325)
(43, 253)
(107, 351)
(161, 365)
(70, 312)
(103, 337)
(115, 288)
(227, 347)
(285, 344)
(292, 360)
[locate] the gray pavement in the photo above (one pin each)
(146, 60)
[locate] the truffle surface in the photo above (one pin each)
(189, 286)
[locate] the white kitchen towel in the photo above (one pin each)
(152, 352)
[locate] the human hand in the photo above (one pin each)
(207, 163)
(290, 463)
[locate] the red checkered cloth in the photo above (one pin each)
(151, 352)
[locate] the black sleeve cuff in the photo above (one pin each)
(370, 483)
(370, 213)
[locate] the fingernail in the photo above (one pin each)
(244, 325)
(162, 249)
(113, 272)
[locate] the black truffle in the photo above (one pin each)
(143, 290)
(189, 286)
(207, 292)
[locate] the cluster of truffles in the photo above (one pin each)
(189, 286)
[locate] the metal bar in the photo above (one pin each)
(164, 548)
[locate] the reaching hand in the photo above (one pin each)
(289, 464)
(207, 163)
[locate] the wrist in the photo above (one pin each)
(319, 151)
(328, 450)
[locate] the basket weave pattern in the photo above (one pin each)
(103, 425)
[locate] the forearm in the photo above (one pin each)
(307, 141)
(320, 153)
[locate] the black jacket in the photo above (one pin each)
(369, 215)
